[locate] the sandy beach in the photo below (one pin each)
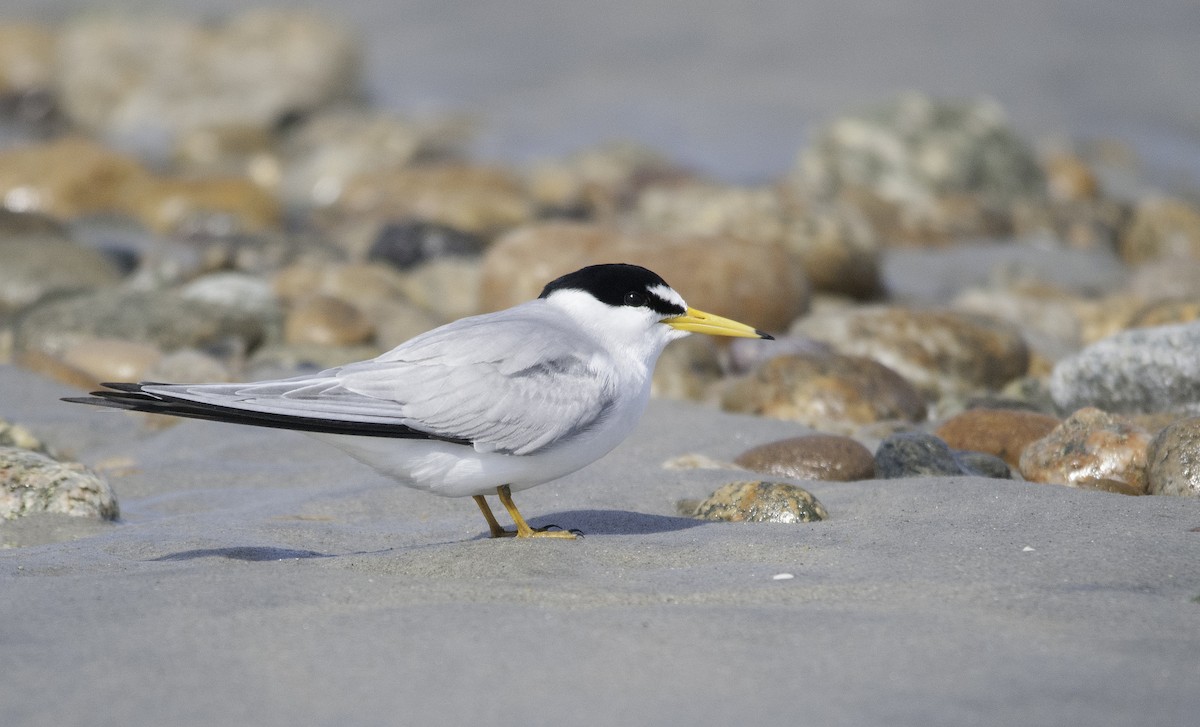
(257, 579)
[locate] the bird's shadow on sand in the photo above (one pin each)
(615, 522)
(589, 522)
(243, 552)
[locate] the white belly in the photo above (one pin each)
(457, 470)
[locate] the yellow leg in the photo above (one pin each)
(497, 531)
(523, 529)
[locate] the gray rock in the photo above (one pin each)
(404, 245)
(915, 149)
(1139, 371)
(915, 454)
(982, 464)
(120, 76)
(38, 258)
(31, 482)
(1173, 461)
(163, 318)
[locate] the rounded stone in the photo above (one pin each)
(109, 359)
(915, 454)
(812, 457)
(66, 178)
(31, 482)
(162, 318)
(1004, 433)
(120, 76)
(480, 200)
(1142, 370)
(1087, 447)
(326, 321)
(1173, 462)
(223, 206)
(982, 464)
(38, 258)
(404, 245)
(761, 502)
(601, 181)
(756, 283)
(1161, 228)
(941, 352)
(827, 392)
(26, 58)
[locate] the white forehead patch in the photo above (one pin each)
(668, 294)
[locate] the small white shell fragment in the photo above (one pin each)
(782, 577)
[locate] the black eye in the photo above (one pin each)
(634, 299)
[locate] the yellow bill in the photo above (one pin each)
(697, 321)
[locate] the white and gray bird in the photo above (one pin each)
(490, 404)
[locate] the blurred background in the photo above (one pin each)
(733, 89)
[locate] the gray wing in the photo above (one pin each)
(515, 382)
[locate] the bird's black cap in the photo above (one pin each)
(613, 285)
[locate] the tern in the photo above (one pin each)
(490, 404)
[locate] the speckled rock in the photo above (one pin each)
(1083, 224)
(1173, 462)
(812, 457)
(66, 177)
(213, 205)
(38, 258)
(1004, 433)
(31, 482)
(751, 282)
(327, 321)
(946, 168)
(109, 359)
(163, 318)
(600, 181)
(480, 200)
(322, 154)
(1142, 370)
(404, 245)
(143, 80)
(26, 58)
(1089, 448)
(759, 502)
(827, 392)
(941, 352)
(1161, 228)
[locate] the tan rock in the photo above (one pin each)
(481, 200)
(26, 58)
(827, 392)
(759, 284)
(326, 321)
(812, 457)
(1161, 228)
(169, 205)
(1087, 448)
(1004, 433)
(66, 178)
(111, 359)
(941, 352)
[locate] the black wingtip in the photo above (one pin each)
(761, 334)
